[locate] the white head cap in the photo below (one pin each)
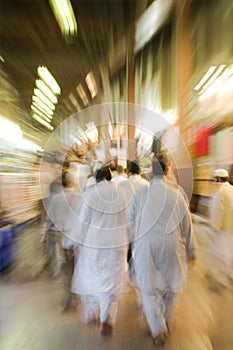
(221, 173)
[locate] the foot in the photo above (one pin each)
(106, 329)
(159, 340)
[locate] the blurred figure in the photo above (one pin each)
(171, 178)
(100, 233)
(81, 172)
(135, 178)
(123, 184)
(91, 181)
(61, 256)
(120, 176)
(163, 245)
(220, 268)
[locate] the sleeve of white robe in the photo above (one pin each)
(188, 234)
(77, 221)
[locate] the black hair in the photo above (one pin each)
(103, 173)
(160, 165)
(134, 168)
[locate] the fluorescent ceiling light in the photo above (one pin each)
(64, 14)
(150, 22)
(42, 104)
(49, 80)
(91, 84)
(43, 122)
(68, 106)
(213, 78)
(2, 59)
(205, 78)
(42, 115)
(44, 99)
(82, 94)
(226, 74)
(219, 83)
(74, 101)
(46, 91)
(48, 113)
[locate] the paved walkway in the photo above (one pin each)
(31, 317)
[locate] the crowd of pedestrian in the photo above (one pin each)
(122, 228)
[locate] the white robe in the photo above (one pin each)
(163, 238)
(220, 262)
(59, 208)
(138, 182)
(102, 235)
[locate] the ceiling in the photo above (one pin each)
(30, 37)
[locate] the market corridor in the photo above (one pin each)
(32, 317)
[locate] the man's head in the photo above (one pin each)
(103, 173)
(160, 165)
(221, 175)
(68, 180)
(120, 169)
(134, 168)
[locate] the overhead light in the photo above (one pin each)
(49, 80)
(74, 101)
(219, 85)
(2, 59)
(46, 91)
(68, 106)
(205, 77)
(213, 78)
(41, 114)
(150, 22)
(48, 113)
(82, 94)
(43, 122)
(64, 14)
(44, 99)
(42, 104)
(91, 84)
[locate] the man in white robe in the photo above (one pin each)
(162, 246)
(135, 178)
(220, 266)
(100, 231)
(57, 225)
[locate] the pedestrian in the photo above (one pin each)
(100, 268)
(163, 244)
(135, 178)
(220, 267)
(57, 224)
(120, 176)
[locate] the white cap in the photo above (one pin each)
(221, 173)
